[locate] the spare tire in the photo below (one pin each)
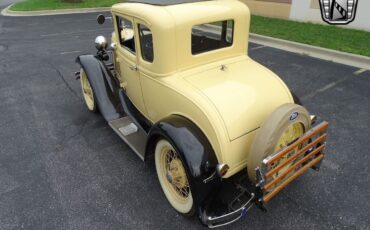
(286, 124)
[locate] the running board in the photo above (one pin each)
(133, 135)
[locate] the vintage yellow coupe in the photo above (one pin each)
(225, 132)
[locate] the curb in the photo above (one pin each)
(359, 61)
(7, 12)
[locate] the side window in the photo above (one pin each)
(212, 36)
(126, 34)
(146, 43)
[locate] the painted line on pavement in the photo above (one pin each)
(326, 87)
(258, 47)
(70, 52)
(71, 33)
(61, 22)
(360, 71)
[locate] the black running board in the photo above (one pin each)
(133, 135)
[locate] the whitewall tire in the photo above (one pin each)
(173, 178)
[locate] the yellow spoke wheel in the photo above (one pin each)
(173, 178)
(289, 135)
(87, 92)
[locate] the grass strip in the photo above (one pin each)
(34, 5)
(326, 36)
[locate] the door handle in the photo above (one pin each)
(133, 68)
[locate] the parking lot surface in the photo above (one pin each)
(62, 167)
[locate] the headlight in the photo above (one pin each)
(101, 43)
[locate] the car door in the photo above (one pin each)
(127, 60)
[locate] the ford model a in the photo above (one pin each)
(226, 133)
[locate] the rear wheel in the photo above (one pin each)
(87, 92)
(285, 125)
(173, 178)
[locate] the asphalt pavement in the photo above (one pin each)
(62, 167)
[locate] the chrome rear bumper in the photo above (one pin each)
(228, 218)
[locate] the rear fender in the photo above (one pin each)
(194, 149)
(104, 86)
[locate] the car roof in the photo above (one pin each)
(164, 2)
(176, 12)
(171, 26)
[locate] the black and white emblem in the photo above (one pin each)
(338, 12)
(293, 116)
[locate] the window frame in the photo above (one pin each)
(118, 19)
(221, 30)
(142, 56)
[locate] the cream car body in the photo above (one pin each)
(224, 92)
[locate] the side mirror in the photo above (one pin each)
(100, 19)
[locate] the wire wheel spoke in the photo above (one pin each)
(88, 92)
(176, 174)
(184, 191)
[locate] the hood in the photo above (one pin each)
(243, 93)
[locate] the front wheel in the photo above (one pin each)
(173, 178)
(88, 92)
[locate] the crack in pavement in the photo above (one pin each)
(63, 79)
(67, 138)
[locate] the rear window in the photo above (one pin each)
(212, 36)
(146, 43)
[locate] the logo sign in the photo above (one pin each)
(338, 12)
(293, 116)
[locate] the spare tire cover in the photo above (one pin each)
(270, 132)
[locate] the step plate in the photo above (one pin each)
(134, 136)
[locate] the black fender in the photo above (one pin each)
(104, 86)
(193, 148)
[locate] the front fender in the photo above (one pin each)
(194, 149)
(104, 86)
